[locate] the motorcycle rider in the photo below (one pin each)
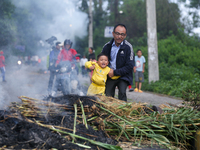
(66, 54)
(52, 61)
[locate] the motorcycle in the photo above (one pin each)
(67, 79)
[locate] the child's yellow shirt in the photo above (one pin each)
(99, 76)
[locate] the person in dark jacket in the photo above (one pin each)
(121, 57)
(52, 61)
(91, 56)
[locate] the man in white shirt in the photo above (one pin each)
(82, 64)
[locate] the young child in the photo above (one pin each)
(139, 70)
(99, 76)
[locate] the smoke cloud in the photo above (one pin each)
(60, 18)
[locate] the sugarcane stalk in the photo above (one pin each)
(114, 114)
(92, 118)
(104, 145)
(122, 131)
(84, 117)
(75, 116)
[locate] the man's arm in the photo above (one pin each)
(59, 59)
(74, 52)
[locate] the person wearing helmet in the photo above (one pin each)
(2, 65)
(52, 61)
(67, 53)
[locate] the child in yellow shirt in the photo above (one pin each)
(99, 76)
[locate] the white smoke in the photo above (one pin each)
(62, 18)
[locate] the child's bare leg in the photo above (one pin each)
(136, 84)
(140, 85)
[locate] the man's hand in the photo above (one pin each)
(111, 73)
(92, 67)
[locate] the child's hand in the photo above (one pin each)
(92, 67)
(134, 69)
(111, 73)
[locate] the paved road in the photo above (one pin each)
(145, 97)
(29, 82)
(152, 98)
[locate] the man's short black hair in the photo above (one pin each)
(119, 24)
(139, 50)
(101, 54)
(58, 43)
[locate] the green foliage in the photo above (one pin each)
(192, 97)
(134, 16)
(6, 22)
(178, 66)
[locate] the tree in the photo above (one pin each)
(168, 16)
(7, 28)
(193, 12)
(134, 16)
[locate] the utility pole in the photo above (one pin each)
(90, 39)
(153, 69)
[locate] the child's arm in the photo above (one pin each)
(90, 65)
(134, 69)
(143, 67)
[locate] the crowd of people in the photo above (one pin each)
(113, 68)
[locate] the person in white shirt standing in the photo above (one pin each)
(139, 70)
(82, 64)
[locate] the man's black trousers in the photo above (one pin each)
(120, 84)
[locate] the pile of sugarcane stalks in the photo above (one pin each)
(31, 107)
(134, 122)
(32, 110)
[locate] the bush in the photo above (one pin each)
(179, 66)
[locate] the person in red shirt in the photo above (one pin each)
(2, 65)
(67, 53)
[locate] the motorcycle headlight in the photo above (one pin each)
(19, 62)
(63, 69)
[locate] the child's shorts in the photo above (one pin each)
(139, 76)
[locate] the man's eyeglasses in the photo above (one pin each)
(118, 34)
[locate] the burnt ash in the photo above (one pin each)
(71, 99)
(18, 133)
